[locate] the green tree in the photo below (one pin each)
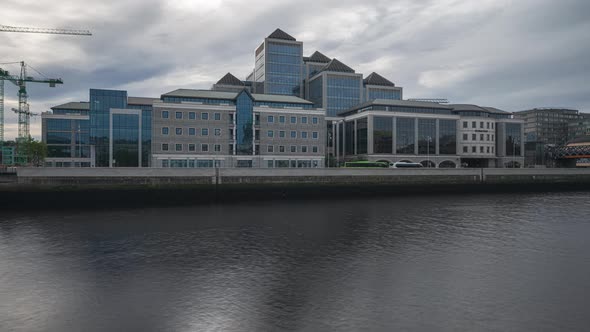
(35, 151)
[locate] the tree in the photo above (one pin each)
(35, 151)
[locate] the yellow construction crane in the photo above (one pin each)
(24, 115)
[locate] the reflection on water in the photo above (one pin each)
(498, 262)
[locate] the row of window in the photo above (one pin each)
(191, 131)
(487, 137)
(292, 149)
(488, 125)
(487, 149)
(191, 115)
(302, 134)
(191, 147)
(292, 119)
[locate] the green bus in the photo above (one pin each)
(366, 164)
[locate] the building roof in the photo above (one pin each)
(376, 79)
(397, 103)
(190, 93)
(337, 66)
(475, 108)
(280, 99)
(280, 34)
(141, 100)
(318, 57)
(81, 105)
(230, 79)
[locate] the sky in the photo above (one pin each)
(512, 55)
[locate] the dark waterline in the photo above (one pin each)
(462, 262)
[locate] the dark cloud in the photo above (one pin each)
(502, 53)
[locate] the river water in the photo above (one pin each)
(501, 262)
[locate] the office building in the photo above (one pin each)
(433, 134)
(202, 128)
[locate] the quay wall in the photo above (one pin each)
(141, 187)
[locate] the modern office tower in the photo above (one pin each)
(66, 131)
(542, 127)
(101, 102)
(433, 134)
(279, 64)
(336, 87)
(378, 87)
(203, 128)
(579, 127)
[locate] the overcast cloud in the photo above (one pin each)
(507, 54)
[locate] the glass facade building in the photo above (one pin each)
(283, 68)
(513, 139)
(382, 135)
(405, 135)
(101, 101)
(125, 140)
(244, 124)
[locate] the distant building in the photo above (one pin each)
(542, 127)
(579, 127)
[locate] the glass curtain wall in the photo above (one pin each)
(283, 68)
(361, 135)
(427, 139)
(349, 139)
(244, 118)
(405, 135)
(513, 132)
(343, 92)
(447, 130)
(316, 91)
(125, 140)
(101, 101)
(384, 94)
(382, 135)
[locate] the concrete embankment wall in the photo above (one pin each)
(55, 187)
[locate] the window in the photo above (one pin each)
(270, 133)
(217, 147)
(304, 119)
(293, 134)
(465, 149)
(492, 137)
(282, 148)
(192, 147)
(192, 131)
(474, 149)
(481, 125)
(282, 133)
(488, 149)
(492, 147)
(314, 120)
(192, 115)
(217, 131)
(257, 135)
(488, 137)
(179, 115)
(270, 163)
(487, 125)
(481, 137)
(304, 134)
(204, 116)
(465, 124)
(481, 149)
(474, 137)
(205, 147)
(304, 149)
(293, 119)
(314, 149)
(492, 125)
(465, 137)
(474, 124)
(231, 133)
(205, 132)
(178, 147)
(314, 135)
(217, 116)
(293, 148)
(231, 117)
(164, 130)
(271, 148)
(164, 146)
(178, 131)
(165, 115)
(282, 119)
(270, 119)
